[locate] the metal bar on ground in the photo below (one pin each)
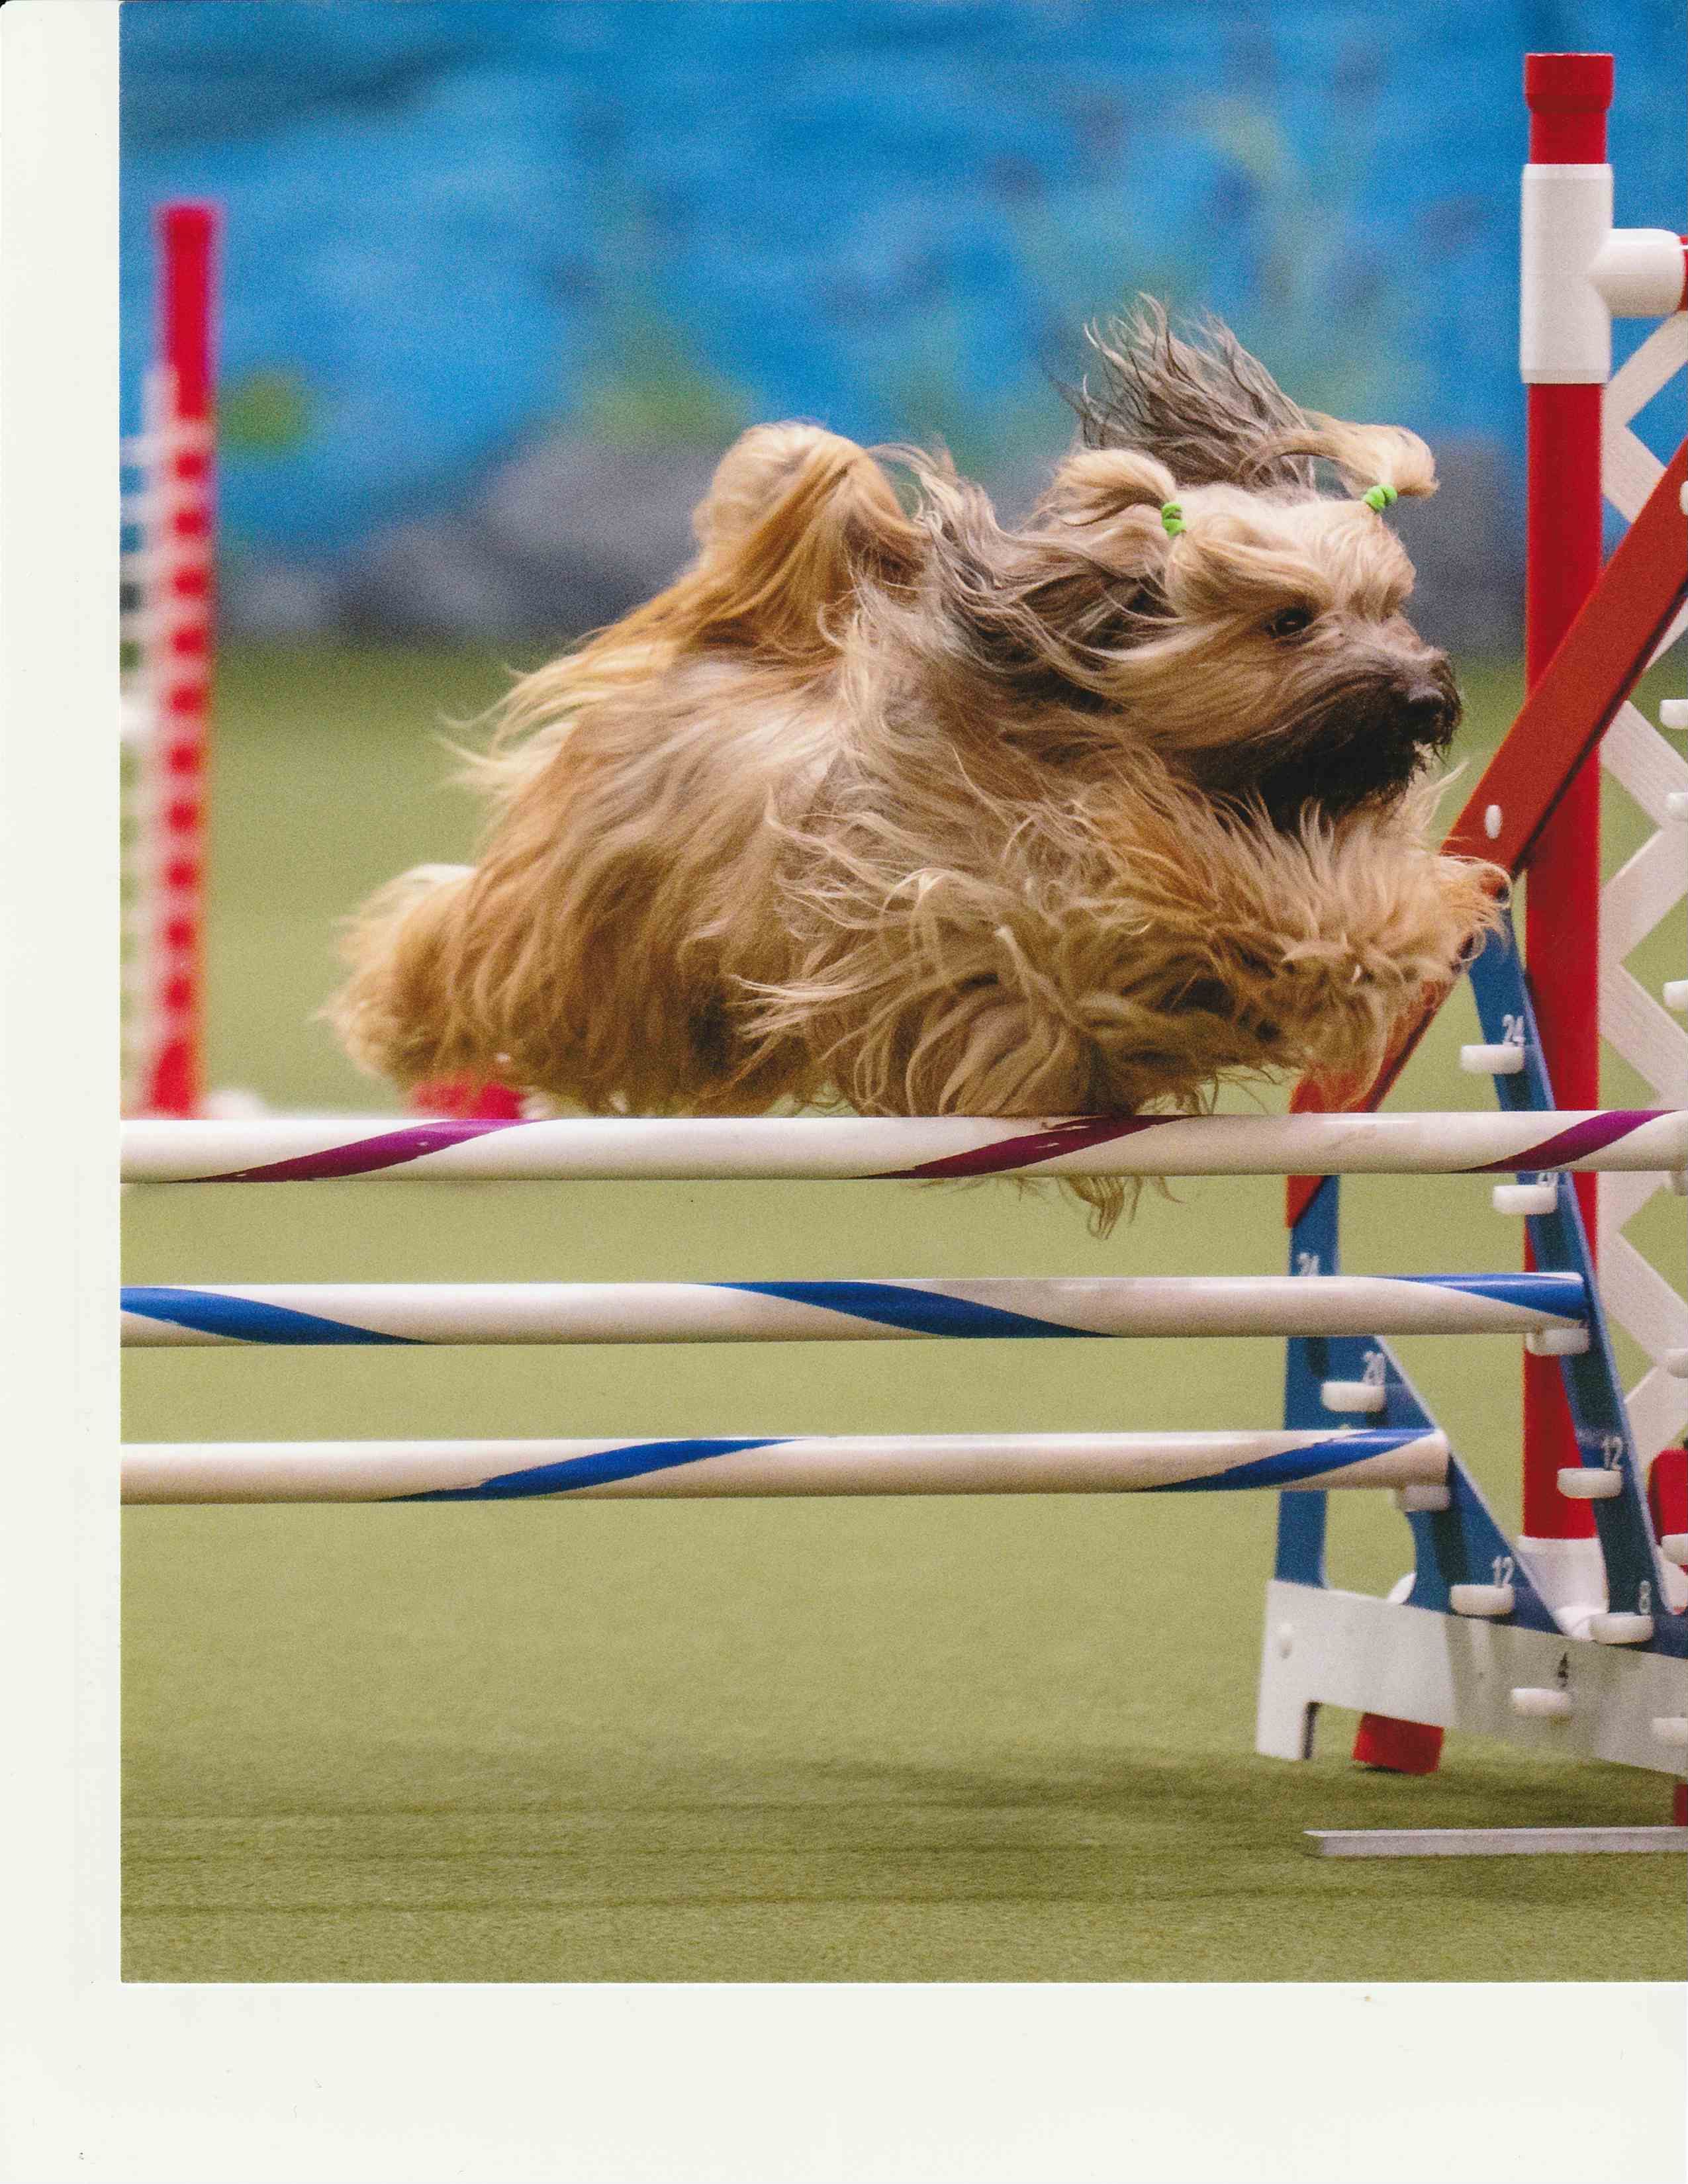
(284, 1149)
(311, 1313)
(770, 1464)
(1488, 1842)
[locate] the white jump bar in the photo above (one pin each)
(309, 1314)
(769, 1465)
(386, 1149)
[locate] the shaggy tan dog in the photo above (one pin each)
(939, 817)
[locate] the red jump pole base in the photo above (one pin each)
(1398, 1748)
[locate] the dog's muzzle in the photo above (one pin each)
(1359, 746)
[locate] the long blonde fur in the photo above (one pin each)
(935, 816)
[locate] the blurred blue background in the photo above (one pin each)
(502, 280)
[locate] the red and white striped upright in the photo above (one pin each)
(169, 714)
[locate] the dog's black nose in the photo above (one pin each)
(1428, 712)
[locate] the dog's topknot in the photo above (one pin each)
(1205, 408)
(1215, 415)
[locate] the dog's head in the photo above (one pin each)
(1185, 583)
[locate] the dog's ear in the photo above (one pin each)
(1043, 611)
(1214, 415)
(1094, 485)
(1365, 455)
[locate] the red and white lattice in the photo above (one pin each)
(1648, 889)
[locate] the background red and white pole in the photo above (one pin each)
(178, 619)
(1566, 360)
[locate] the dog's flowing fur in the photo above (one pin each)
(939, 817)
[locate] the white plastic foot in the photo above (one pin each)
(1676, 804)
(1423, 1498)
(1673, 712)
(1504, 1060)
(1481, 1599)
(1357, 1651)
(1538, 1703)
(1674, 1546)
(1353, 1396)
(1676, 1364)
(1491, 822)
(1588, 1482)
(1524, 1197)
(1557, 1341)
(1676, 993)
(1620, 1629)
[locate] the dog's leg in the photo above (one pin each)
(1356, 958)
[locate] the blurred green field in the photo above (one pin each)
(852, 1741)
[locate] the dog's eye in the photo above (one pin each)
(1290, 623)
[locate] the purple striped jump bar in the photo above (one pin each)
(696, 1150)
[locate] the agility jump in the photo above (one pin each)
(1589, 634)
(1572, 1639)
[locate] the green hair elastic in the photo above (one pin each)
(1378, 497)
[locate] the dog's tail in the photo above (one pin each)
(795, 521)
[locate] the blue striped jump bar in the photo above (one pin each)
(1015, 1309)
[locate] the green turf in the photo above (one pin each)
(872, 1741)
